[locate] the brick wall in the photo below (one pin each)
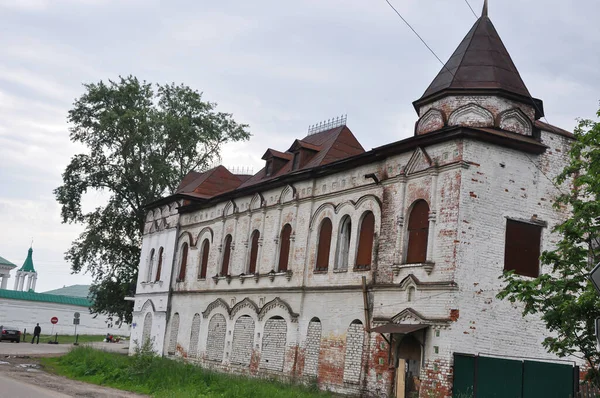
(173, 335)
(215, 340)
(273, 346)
(243, 340)
(194, 336)
(313, 346)
(354, 351)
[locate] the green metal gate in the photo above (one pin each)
(492, 377)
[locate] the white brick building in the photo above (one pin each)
(268, 270)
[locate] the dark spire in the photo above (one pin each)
(484, 13)
(480, 63)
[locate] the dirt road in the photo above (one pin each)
(24, 378)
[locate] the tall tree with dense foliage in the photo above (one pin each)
(565, 298)
(139, 141)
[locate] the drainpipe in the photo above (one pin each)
(170, 294)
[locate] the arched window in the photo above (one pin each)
(324, 245)
(150, 266)
(253, 251)
(365, 241)
(159, 268)
(343, 247)
(410, 293)
(284, 247)
(204, 259)
(226, 256)
(183, 265)
(418, 230)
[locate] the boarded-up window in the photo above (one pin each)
(173, 336)
(284, 247)
(147, 330)
(522, 250)
(160, 260)
(253, 252)
(194, 336)
(418, 231)
(226, 256)
(150, 266)
(324, 246)
(183, 264)
(365, 241)
(204, 259)
(355, 338)
(343, 245)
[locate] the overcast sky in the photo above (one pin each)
(276, 65)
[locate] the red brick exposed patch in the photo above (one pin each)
(454, 315)
(331, 361)
(472, 194)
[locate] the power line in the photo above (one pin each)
(460, 82)
(415, 32)
(467, 1)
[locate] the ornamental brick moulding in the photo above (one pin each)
(244, 304)
(516, 121)
(471, 115)
(277, 303)
(432, 120)
(215, 304)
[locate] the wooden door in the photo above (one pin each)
(400, 379)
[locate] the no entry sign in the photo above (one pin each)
(54, 320)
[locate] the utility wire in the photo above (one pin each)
(458, 80)
(467, 1)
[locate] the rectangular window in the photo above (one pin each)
(522, 249)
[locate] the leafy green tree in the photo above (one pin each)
(139, 141)
(565, 298)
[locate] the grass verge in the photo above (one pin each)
(161, 377)
(64, 338)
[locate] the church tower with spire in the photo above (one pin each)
(26, 277)
(479, 87)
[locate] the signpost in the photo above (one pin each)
(54, 321)
(76, 322)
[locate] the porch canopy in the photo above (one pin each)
(399, 328)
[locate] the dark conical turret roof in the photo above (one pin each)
(481, 62)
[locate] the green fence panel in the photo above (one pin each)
(498, 378)
(464, 376)
(547, 380)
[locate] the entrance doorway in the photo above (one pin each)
(408, 366)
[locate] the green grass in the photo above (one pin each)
(161, 377)
(67, 339)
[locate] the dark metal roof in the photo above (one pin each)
(399, 328)
(481, 62)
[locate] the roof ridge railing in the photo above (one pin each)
(328, 124)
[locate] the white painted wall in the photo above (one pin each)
(25, 314)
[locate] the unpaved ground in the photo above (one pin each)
(27, 370)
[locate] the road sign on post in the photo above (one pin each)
(595, 277)
(598, 331)
(76, 315)
(54, 320)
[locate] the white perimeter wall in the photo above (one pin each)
(25, 314)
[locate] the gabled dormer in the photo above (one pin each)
(275, 161)
(302, 153)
